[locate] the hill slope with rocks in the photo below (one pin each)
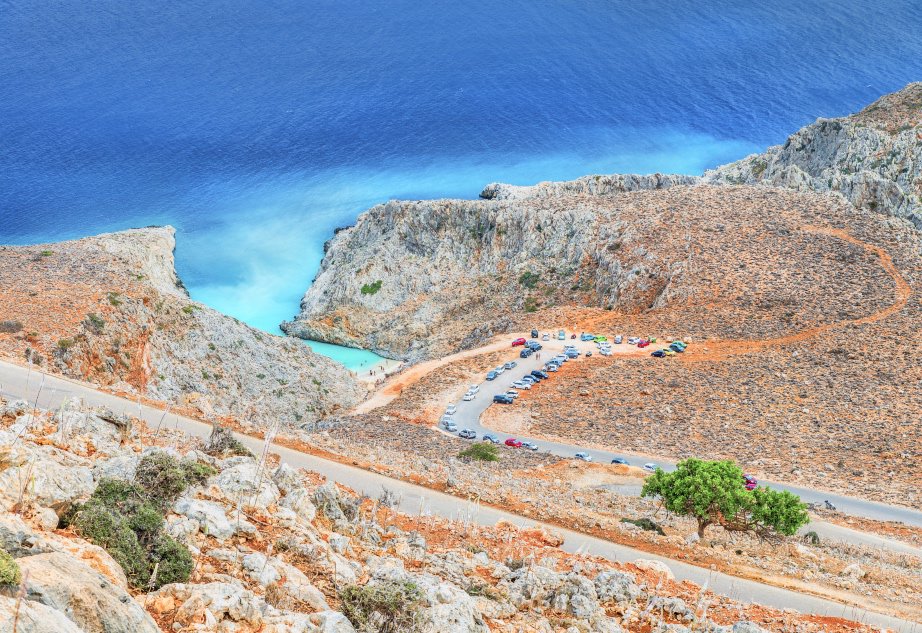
(110, 309)
(872, 158)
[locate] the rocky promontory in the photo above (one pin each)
(872, 158)
(110, 309)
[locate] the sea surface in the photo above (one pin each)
(256, 128)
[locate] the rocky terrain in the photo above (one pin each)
(275, 550)
(110, 309)
(872, 158)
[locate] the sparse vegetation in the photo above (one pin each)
(372, 288)
(10, 327)
(10, 575)
(646, 524)
(46, 253)
(387, 607)
(481, 451)
(95, 322)
(529, 279)
(164, 478)
(65, 344)
(114, 299)
(222, 443)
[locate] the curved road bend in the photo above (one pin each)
(18, 382)
(469, 413)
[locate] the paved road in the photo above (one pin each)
(17, 382)
(469, 413)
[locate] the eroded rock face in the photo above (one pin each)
(95, 604)
(33, 617)
(873, 158)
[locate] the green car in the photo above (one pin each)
(600, 339)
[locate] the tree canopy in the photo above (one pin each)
(714, 493)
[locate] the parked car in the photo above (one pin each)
(530, 446)
(537, 373)
(525, 353)
(572, 353)
(510, 365)
(520, 384)
(489, 437)
(514, 443)
(750, 482)
(467, 434)
(561, 335)
(650, 467)
(605, 352)
(512, 394)
(451, 427)
(529, 379)
(545, 337)
(532, 345)
(669, 352)
(643, 343)
(534, 333)
(499, 369)
(600, 339)
(491, 375)
(469, 396)
(473, 389)
(451, 409)
(551, 367)
(502, 398)
(618, 339)
(634, 340)
(675, 347)
(586, 337)
(588, 354)
(446, 418)
(518, 341)
(658, 353)
(586, 457)
(618, 460)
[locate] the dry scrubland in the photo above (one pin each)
(276, 550)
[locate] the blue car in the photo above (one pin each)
(502, 398)
(491, 375)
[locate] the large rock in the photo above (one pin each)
(215, 601)
(211, 517)
(46, 476)
(616, 586)
(243, 483)
(33, 617)
(269, 570)
(84, 595)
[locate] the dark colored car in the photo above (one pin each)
(618, 460)
(502, 399)
(518, 341)
(534, 333)
(525, 353)
(491, 375)
(492, 439)
(658, 353)
(537, 373)
(677, 348)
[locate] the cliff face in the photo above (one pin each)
(111, 309)
(873, 158)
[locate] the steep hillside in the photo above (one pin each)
(111, 309)
(873, 158)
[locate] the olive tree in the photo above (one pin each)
(714, 493)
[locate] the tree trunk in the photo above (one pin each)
(702, 523)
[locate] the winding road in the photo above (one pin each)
(47, 391)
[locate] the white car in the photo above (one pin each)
(520, 385)
(634, 340)
(473, 389)
(451, 409)
(499, 369)
(546, 337)
(650, 467)
(530, 446)
(586, 457)
(512, 394)
(451, 427)
(469, 396)
(605, 352)
(446, 418)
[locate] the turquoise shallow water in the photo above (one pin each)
(257, 128)
(358, 360)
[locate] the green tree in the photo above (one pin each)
(482, 451)
(714, 493)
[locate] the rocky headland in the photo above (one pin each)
(110, 309)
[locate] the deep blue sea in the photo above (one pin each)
(256, 128)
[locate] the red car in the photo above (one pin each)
(643, 343)
(514, 443)
(751, 482)
(518, 341)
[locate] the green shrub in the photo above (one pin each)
(164, 478)
(529, 279)
(222, 442)
(197, 473)
(482, 451)
(388, 607)
(126, 520)
(370, 289)
(189, 309)
(65, 344)
(95, 322)
(47, 253)
(10, 576)
(10, 327)
(113, 299)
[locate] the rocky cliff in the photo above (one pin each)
(873, 158)
(112, 310)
